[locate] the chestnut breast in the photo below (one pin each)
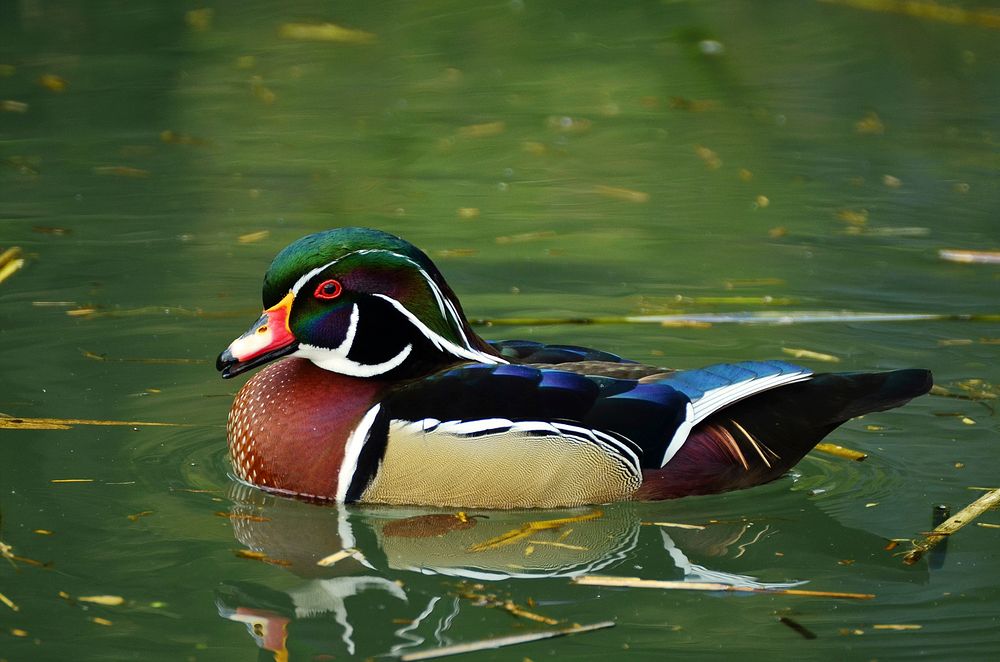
(289, 424)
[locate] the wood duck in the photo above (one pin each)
(385, 394)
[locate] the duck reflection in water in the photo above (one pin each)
(407, 576)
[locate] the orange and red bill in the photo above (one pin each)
(267, 339)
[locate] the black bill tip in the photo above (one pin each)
(230, 366)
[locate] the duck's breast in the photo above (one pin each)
(289, 424)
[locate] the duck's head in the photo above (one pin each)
(358, 302)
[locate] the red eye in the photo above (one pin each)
(328, 289)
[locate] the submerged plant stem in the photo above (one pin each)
(952, 525)
(500, 642)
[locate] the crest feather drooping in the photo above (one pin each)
(416, 279)
(321, 248)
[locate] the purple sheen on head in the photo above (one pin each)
(404, 280)
(324, 327)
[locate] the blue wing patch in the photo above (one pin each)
(717, 386)
(695, 383)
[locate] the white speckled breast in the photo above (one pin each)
(288, 425)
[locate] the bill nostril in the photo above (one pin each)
(262, 329)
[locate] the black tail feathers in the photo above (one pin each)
(758, 439)
(842, 396)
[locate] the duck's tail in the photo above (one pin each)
(758, 439)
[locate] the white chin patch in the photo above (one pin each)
(334, 361)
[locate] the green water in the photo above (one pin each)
(521, 111)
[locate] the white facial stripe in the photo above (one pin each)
(352, 451)
(444, 305)
(305, 278)
(439, 342)
(334, 361)
(352, 329)
(458, 322)
(438, 295)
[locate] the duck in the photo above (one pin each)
(375, 389)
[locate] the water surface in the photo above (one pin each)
(558, 160)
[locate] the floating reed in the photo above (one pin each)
(501, 642)
(952, 525)
(635, 582)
